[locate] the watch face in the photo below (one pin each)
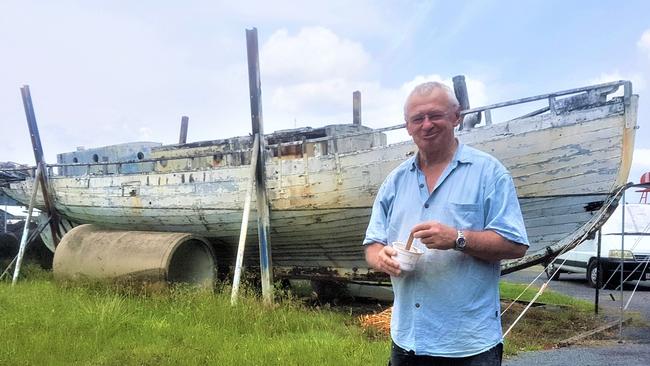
(460, 242)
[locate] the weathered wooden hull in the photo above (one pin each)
(568, 170)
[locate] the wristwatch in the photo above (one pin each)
(460, 242)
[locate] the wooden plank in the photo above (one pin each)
(572, 340)
(244, 225)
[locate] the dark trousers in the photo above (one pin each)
(402, 357)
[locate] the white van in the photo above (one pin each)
(636, 253)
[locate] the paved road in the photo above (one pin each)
(633, 351)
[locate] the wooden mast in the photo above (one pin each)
(263, 221)
(40, 161)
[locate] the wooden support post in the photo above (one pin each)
(356, 108)
(263, 219)
(460, 89)
(38, 155)
(183, 137)
(244, 221)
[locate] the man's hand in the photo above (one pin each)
(380, 258)
(486, 245)
(435, 235)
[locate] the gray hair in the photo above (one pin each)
(427, 88)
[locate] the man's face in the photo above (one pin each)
(430, 120)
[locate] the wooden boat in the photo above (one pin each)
(569, 160)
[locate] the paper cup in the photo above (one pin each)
(406, 259)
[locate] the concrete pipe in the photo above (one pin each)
(94, 253)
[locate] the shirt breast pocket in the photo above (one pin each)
(466, 216)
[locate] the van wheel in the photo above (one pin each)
(552, 273)
(594, 274)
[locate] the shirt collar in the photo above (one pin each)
(462, 155)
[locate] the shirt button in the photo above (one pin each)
(421, 185)
(417, 304)
(426, 205)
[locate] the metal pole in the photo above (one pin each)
(263, 221)
(183, 137)
(356, 108)
(620, 321)
(23, 238)
(39, 156)
(244, 222)
(598, 274)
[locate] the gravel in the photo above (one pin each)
(629, 354)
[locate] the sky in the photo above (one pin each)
(108, 72)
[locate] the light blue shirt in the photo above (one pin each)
(449, 305)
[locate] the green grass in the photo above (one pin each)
(46, 324)
(510, 291)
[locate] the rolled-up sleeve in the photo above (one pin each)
(502, 211)
(377, 231)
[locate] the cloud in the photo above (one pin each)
(365, 17)
(114, 76)
(318, 97)
(144, 133)
(330, 101)
(637, 79)
(311, 76)
(97, 77)
(314, 53)
(641, 158)
(644, 43)
(475, 88)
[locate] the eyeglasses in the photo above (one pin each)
(432, 116)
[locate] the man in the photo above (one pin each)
(462, 206)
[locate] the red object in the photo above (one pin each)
(645, 179)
